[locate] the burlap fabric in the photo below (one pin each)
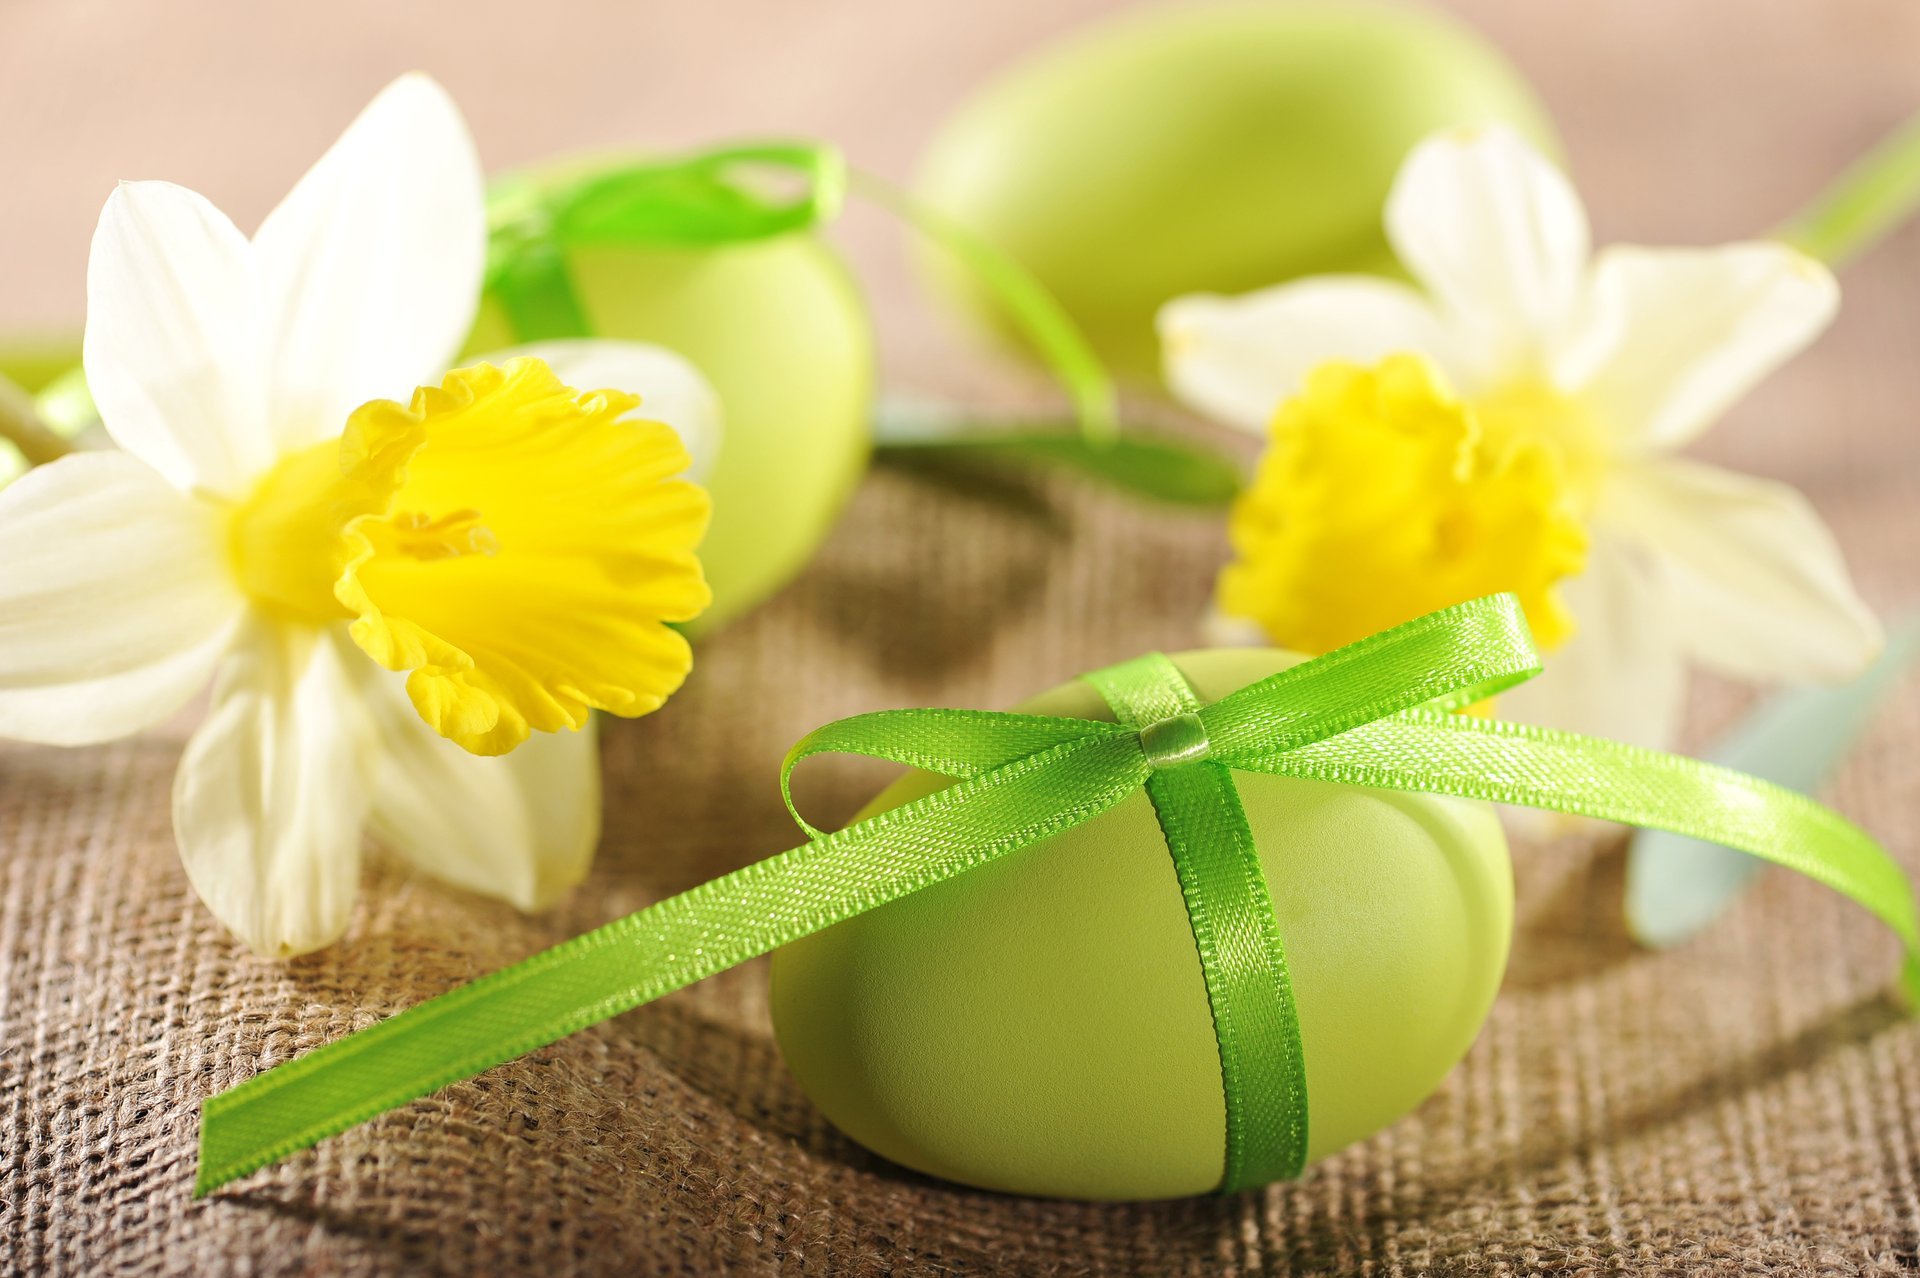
(1747, 1103)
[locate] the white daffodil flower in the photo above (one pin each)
(513, 544)
(1512, 425)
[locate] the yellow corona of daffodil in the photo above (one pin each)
(515, 546)
(1511, 426)
(1382, 493)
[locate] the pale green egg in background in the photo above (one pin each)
(1039, 1025)
(781, 330)
(1215, 148)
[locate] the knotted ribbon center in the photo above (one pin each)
(1169, 743)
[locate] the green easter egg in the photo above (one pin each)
(1040, 1026)
(1217, 148)
(782, 332)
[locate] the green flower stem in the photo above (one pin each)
(1872, 197)
(1142, 463)
(20, 425)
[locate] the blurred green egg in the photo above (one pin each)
(1216, 148)
(47, 370)
(780, 329)
(1040, 1026)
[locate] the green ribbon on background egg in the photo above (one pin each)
(696, 200)
(739, 194)
(1375, 713)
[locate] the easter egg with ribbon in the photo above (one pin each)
(1375, 933)
(1043, 1025)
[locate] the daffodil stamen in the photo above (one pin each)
(447, 536)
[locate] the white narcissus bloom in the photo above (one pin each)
(1512, 425)
(516, 546)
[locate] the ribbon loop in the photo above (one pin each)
(699, 200)
(730, 195)
(953, 743)
(1446, 659)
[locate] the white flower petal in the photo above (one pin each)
(519, 827)
(371, 267)
(1224, 630)
(115, 599)
(1668, 339)
(1498, 236)
(172, 347)
(1623, 674)
(670, 388)
(1237, 359)
(273, 791)
(1761, 591)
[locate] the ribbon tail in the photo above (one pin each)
(952, 743)
(1440, 753)
(1037, 313)
(1263, 1064)
(658, 950)
(1243, 961)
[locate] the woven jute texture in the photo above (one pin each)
(1750, 1101)
(1746, 1103)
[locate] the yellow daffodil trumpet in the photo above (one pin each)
(1382, 495)
(513, 543)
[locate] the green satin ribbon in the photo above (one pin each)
(1263, 1069)
(737, 195)
(1375, 713)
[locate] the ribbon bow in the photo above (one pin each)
(1374, 713)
